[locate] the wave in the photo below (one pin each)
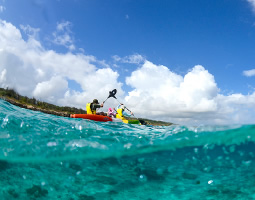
(44, 156)
(32, 136)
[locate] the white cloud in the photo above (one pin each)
(31, 32)
(132, 59)
(194, 99)
(51, 90)
(249, 73)
(64, 26)
(158, 93)
(2, 8)
(63, 35)
(252, 3)
(33, 71)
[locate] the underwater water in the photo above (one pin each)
(49, 157)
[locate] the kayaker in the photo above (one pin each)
(111, 112)
(121, 113)
(92, 107)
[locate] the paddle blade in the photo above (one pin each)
(112, 93)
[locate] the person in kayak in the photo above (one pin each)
(121, 113)
(111, 112)
(92, 107)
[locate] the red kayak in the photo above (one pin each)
(99, 118)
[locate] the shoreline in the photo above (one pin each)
(30, 107)
(14, 98)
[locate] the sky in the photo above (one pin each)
(186, 62)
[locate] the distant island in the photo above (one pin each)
(14, 98)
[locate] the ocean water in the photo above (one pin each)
(49, 157)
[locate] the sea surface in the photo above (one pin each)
(49, 157)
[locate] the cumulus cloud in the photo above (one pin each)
(252, 3)
(34, 71)
(192, 99)
(249, 73)
(52, 89)
(157, 92)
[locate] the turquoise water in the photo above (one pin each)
(48, 157)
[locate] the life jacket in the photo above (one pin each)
(110, 112)
(119, 114)
(89, 110)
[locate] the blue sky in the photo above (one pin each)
(216, 34)
(179, 34)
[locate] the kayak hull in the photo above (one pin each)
(131, 121)
(102, 118)
(99, 118)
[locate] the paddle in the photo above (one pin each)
(141, 121)
(111, 94)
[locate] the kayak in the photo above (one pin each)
(131, 121)
(102, 118)
(99, 118)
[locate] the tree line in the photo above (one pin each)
(11, 93)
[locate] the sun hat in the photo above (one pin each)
(95, 101)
